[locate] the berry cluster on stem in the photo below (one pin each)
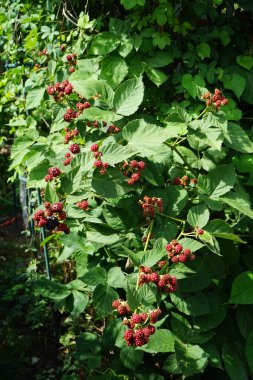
(70, 135)
(51, 218)
(60, 89)
(53, 172)
(217, 99)
(177, 253)
(139, 325)
(150, 206)
(165, 282)
(133, 170)
(83, 205)
(102, 166)
(184, 181)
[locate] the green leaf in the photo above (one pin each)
(98, 114)
(210, 242)
(191, 359)
(144, 138)
(196, 305)
(80, 301)
(156, 76)
(242, 289)
(128, 97)
(238, 202)
(236, 138)
(249, 350)
(34, 98)
(50, 194)
(110, 185)
(193, 245)
(160, 59)
(113, 70)
(130, 357)
(198, 216)
(114, 153)
(219, 228)
(203, 50)
(132, 256)
(103, 43)
(191, 83)
(133, 297)
(246, 61)
(218, 182)
(161, 341)
(181, 271)
(37, 174)
(244, 320)
(116, 278)
(234, 82)
(150, 258)
(104, 237)
(234, 366)
(95, 276)
(103, 297)
(51, 289)
(90, 88)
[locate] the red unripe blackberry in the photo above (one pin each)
(116, 304)
(173, 281)
(63, 227)
(67, 161)
(51, 90)
(129, 337)
(217, 91)
(62, 47)
(58, 206)
(146, 269)
(177, 181)
(175, 259)
(94, 148)
(134, 164)
(161, 263)
(121, 309)
(42, 222)
(218, 103)
(83, 205)
(48, 178)
(95, 124)
(98, 164)
(154, 277)
(71, 70)
(116, 130)
(86, 105)
(38, 215)
(208, 103)
(224, 101)
(154, 314)
(149, 330)
(187, 252)
(135, 319)
(74, 148)
(97, 154)
(144, 316)
(200, 231)
(62, 215)
(182, 258)
(135, 177)
(169, 247)
(68, 89)
(161, 283)
(67, 117)
(46, 205)
(178, 248)
(141, 165)
(54, 171)
(69, 57)
(102, 171)
(174, 242)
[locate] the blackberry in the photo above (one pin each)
(52, 223)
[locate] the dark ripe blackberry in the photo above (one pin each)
(52, 223)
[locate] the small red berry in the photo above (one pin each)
(74, 148)
(94, 148)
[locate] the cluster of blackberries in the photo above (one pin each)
(139, 324)
(113, 129)
(70, 135)
(184, 181)
(102, 166)
(71, 59)
(82, 106)
(51, 217)
(164, 282)
(177, 253)
(217, 99)
(84, 205)
(69, 115)
(74, 148)
(68, 159)
(60, 89)
(53, 172)
(150, 206)
(133, 170)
